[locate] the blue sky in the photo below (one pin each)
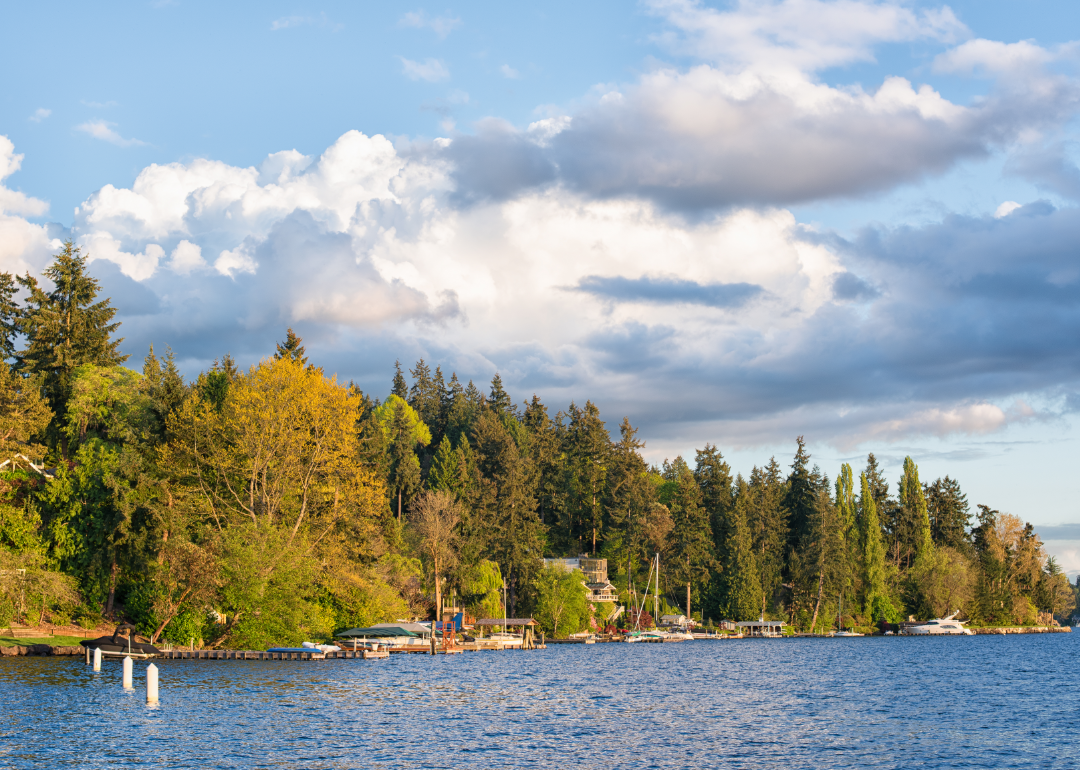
(734, 222)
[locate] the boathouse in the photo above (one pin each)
(761, 628)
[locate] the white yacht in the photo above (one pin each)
(939, 627)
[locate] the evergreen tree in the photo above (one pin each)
(742, 597)
(439, 391)
(505, 519)
(692, 556)
(949, 515)
(291, 348)
(424, 396)
(587, 448)
(549, 460)
(9, 317)
(399, 389)
(500, 400)
(630, 498)
(801, 494)
(65, 329)
(768, 522)
(165, 387)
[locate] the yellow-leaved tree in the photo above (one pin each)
(275, 463)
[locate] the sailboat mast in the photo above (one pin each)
(656, 595)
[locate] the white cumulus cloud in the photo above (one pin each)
(105, 131)
(431, 70)
(440, 25)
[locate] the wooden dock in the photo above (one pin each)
(358, 654)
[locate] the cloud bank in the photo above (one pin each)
(638, 249)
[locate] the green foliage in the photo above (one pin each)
(65, 329)
(561, 605)
(251, 509)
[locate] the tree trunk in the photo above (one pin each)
(688, 616)
(817, 606)
(399, 506)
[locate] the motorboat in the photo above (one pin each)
(845, 633)
(121, 644)
(505, 639)
(645, 636)
(948, 626)
(678, 636)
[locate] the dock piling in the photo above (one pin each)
(127, 673)
(97, 659)
(151, 683)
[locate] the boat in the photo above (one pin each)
(948, 626)
(645, 636)
(678, 636)
(121, 644)
(505, 639)
(841, 631)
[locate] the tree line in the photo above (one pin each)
(246, 508)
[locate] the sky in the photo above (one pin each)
(735, 223)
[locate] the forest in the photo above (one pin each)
(274, 505)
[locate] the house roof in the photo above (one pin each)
(376, 633)
(507, 622)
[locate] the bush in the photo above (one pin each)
(188, 626)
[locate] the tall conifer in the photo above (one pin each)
(64, 329)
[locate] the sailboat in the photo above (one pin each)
(840, 622)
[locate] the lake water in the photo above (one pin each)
(983, 701)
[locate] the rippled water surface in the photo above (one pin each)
(986, 701)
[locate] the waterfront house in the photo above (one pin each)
(595, 572)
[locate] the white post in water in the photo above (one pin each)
(88, 661)
(127, 673)
(97, 659)
(151, 684)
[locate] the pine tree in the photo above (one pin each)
(291, 348)
(768, 522)
(165, 387)
(500, 400)
(505, 519)
(400, 389)
(424, 396)
(801, 495)
(742, 598)
(713, 476)
(549, 460)
(692, 553)
(949, 514)
(439, 392)
(586, 445)
(9, 316)
(64, 329)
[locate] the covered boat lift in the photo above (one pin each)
(761, 629)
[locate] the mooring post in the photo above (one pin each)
(151, 684)
(97, 659)
(88, 661)
(127, 673)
